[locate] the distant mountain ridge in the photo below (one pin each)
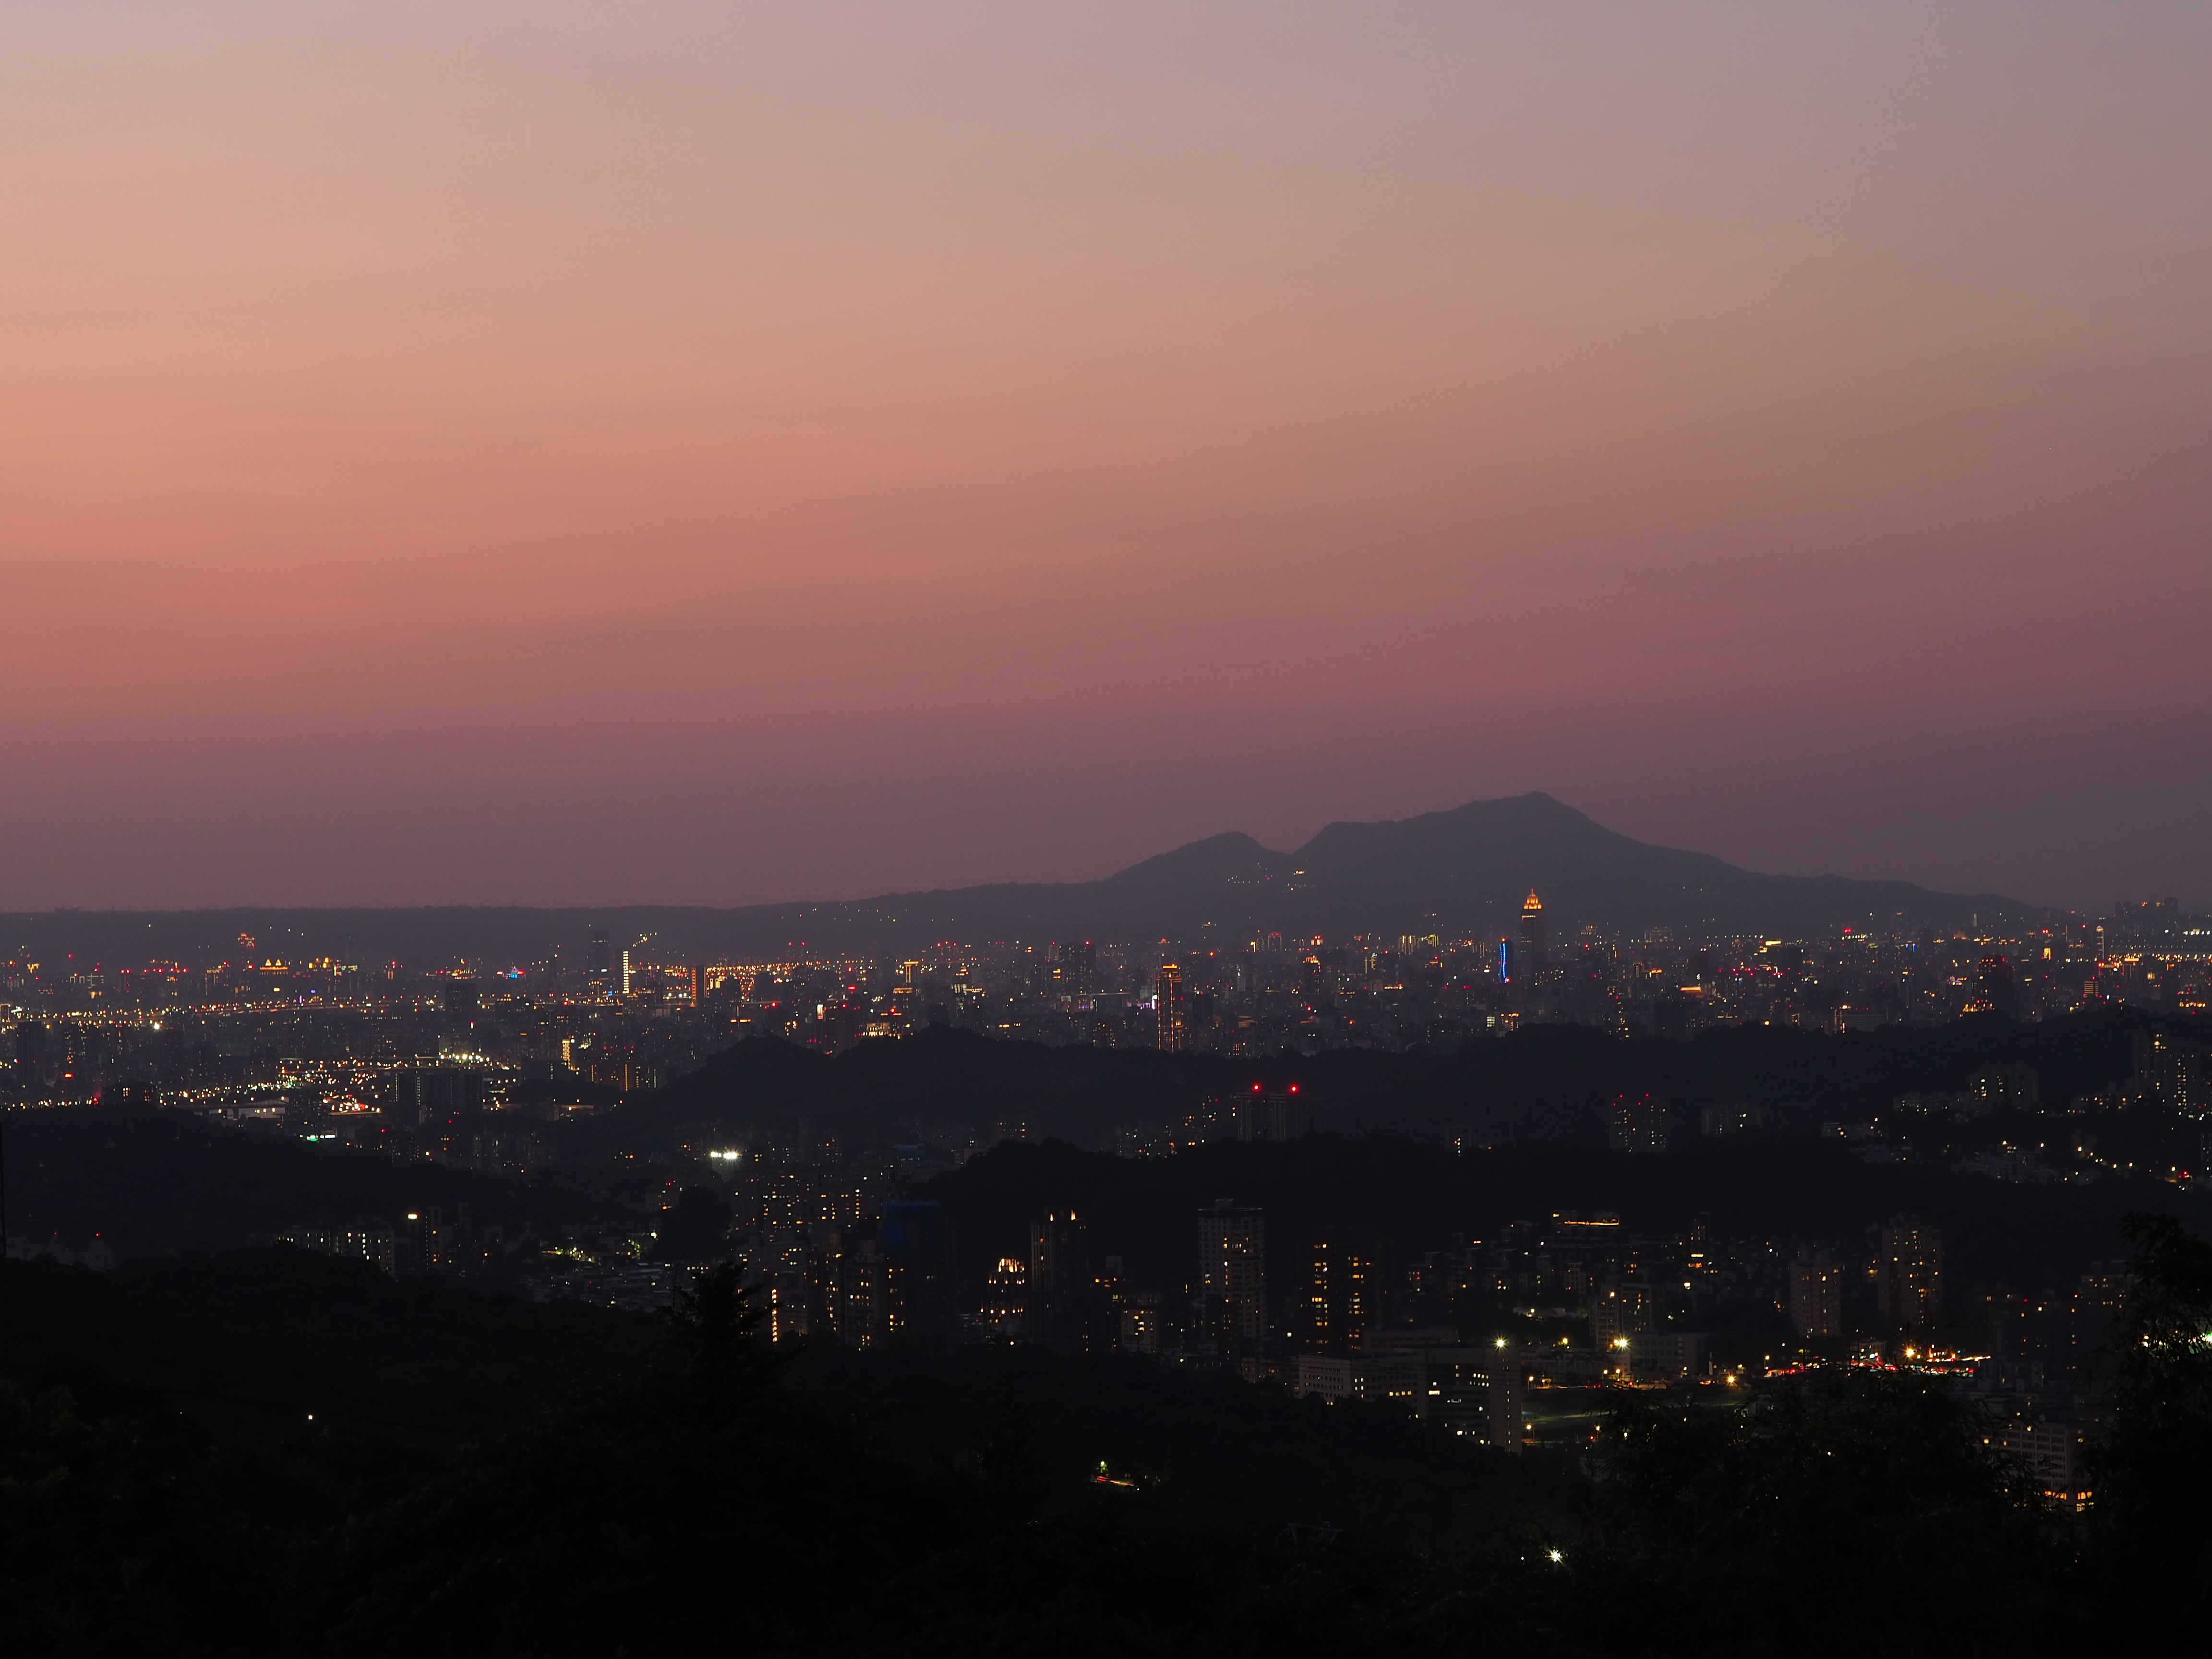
(1463, 871)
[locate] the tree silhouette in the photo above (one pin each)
(2151, 1470)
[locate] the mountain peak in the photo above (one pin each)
(1230, 857)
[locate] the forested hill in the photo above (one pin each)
(131, 1181)
(1552, 1083)
(1145, 1210)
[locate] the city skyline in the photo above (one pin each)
(1268, 826)
(722, 455)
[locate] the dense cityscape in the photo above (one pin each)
(1509, 1338)
(314, 1023)
(1289, 831)
(1355, 1175)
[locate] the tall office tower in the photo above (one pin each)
(1816, 1295)
(1909, 1275)
(1639, 1123)
(1172, 1010)
(1058, 1280)
(1349, 1277)
(1533, 941)
(627, 971)
(1232, 1268)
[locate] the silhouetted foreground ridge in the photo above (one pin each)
(704, 1504)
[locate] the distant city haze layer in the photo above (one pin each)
(558, 453)
(1464, 874)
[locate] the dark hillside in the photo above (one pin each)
(136, 1181)
(146, 1181)
(1547, 1082)
(1146, 1209)
(1214, 1451)
(273, 1347)
(254, 1341)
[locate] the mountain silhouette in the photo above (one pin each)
(1462, 872)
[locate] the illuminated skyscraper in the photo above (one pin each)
(1003, 1309)
(1533, 941)
(1172, 1009)
(627, 973)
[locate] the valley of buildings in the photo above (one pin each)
(627, 1016)
(465, 1063)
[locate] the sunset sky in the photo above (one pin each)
(564, 452)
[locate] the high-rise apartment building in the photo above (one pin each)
(1349, 1279)
(1076, 972)
(1816, 1296)
(1909, 1275)
(1272, 1115)
(1058, 1279)
(1618, 1312)
(919, 1235)
(2172, 1075)
(1996, 991)
(1003, 1309)
(1639, 1123)
(1232, 1268)
(2100, 1302)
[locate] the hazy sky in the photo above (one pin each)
(719, 453)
